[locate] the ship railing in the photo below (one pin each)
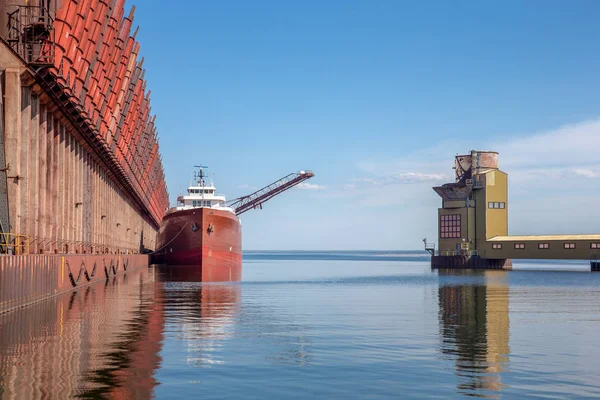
(14, 244)
(430, 248)
(23, 244)
(31, 33)
(448, 253)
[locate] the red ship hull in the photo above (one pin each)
(206, 238)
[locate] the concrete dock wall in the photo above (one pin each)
(28, 279)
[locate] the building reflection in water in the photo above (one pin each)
(474, 327)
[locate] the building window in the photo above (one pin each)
(569, 245)
(543, 245)
(450, 226)
(496, 246)
(519, 246)
(594, 245)
(496, 204)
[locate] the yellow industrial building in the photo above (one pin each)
(473, 222)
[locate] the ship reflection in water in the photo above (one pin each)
(202, 315)
(474, 329)
(105, 341)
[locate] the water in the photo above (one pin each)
(306, 324)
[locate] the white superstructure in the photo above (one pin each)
(199, 195)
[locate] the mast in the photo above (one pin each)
(200, 174)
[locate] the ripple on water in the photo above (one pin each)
(312, 325)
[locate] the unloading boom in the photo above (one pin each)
(256, 199)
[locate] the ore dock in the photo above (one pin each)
(82, 187)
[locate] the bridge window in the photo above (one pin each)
(519, 246)
(450, 226)
(569, 245)
(543, 245)
(594, 245)
(496, 246)
(497, 204)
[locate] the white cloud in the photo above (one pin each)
(548, 171)
(538, 159)
(370, 181)
(552, 189)
(588, 173)
(250, 187)
(310, 186)
(569, 145)
(412, 177)
(402, 178)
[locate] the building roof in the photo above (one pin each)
(542, 238)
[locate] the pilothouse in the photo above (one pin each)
(199, 194)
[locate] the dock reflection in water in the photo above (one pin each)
(474, 328)
(105, 340)
(101, 341)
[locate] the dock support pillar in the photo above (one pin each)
(595, 266)
(469, 262)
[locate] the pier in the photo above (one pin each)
(81, 171)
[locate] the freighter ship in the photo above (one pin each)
(203, 231)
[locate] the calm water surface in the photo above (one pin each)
(305, 324)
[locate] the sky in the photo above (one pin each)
(377, 98)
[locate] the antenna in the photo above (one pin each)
(200, 175)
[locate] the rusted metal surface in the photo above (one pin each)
(31, 31)
(96, 64)
(86, 174)
(468, 165)
(31, 278)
